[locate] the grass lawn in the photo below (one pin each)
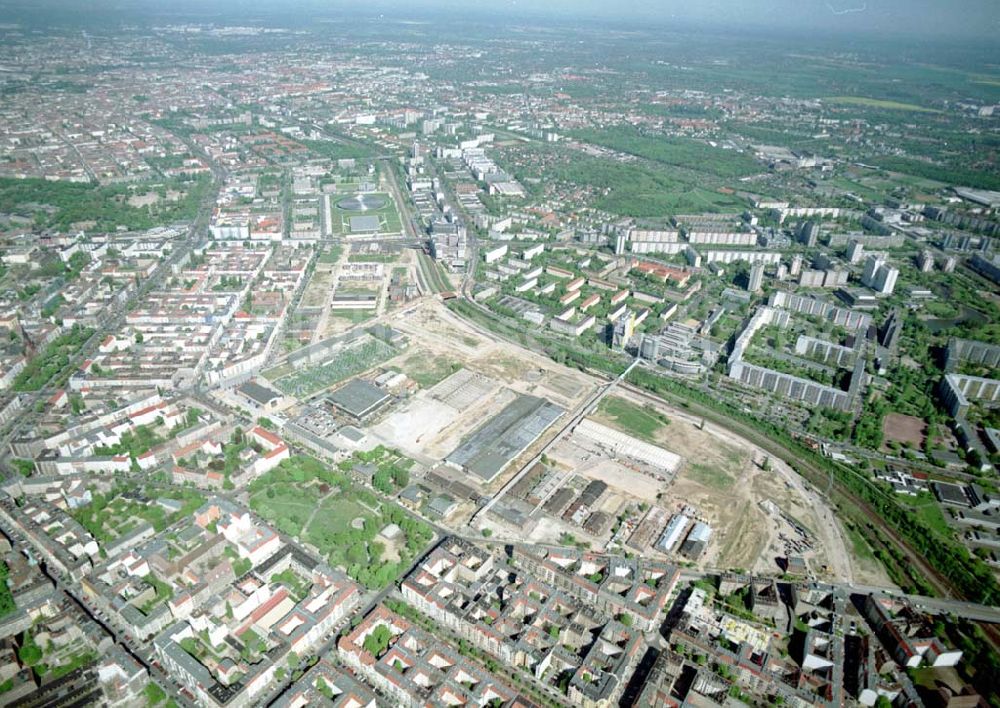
(373, 258)
(640, 421)
(858, 188)
(433, 274)
(428, 371)
(330, 255)
(297, 585)
(287, 507)
(353, 316)
(334, 517)
(930, 678)
(859, 545)
(930, 512)
(154, 694)
(710, 476)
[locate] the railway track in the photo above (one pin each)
(834, 491)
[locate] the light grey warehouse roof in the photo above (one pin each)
(488, 450)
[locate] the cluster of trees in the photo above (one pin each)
(389, 477)
(375, 575)
(53, 362)
(6, 599)
(978, 656)
(868, 429)
(29, 653)
(133, 443)
(296, 470)
(105, 508)
(829, 423)
(760, 357)
(954, 174)
(107, 206)
(377, 641)
(636, 190)
(229, 282)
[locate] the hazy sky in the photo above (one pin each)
(980, 18)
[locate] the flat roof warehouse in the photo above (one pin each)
(491, 447)
(359, 398)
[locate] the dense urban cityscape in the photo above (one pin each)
(427, 360)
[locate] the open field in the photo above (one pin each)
(879, 103)
(428, 370)
(904, 429)
(725, 479)
(712, 476)
(317, 290)
(640, 421)
(341, 320)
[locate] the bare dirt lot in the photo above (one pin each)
(903, 429)
(570, 456)
(725, 478)
(429, 429)
(434, 330)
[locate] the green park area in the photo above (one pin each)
(676, 152)
(639, 189)
(336, 150)
(64, 206)
(371, 539)
(389, 470)
(643, 422)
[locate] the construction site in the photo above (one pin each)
(522, 448)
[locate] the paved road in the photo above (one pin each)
(113, 322)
